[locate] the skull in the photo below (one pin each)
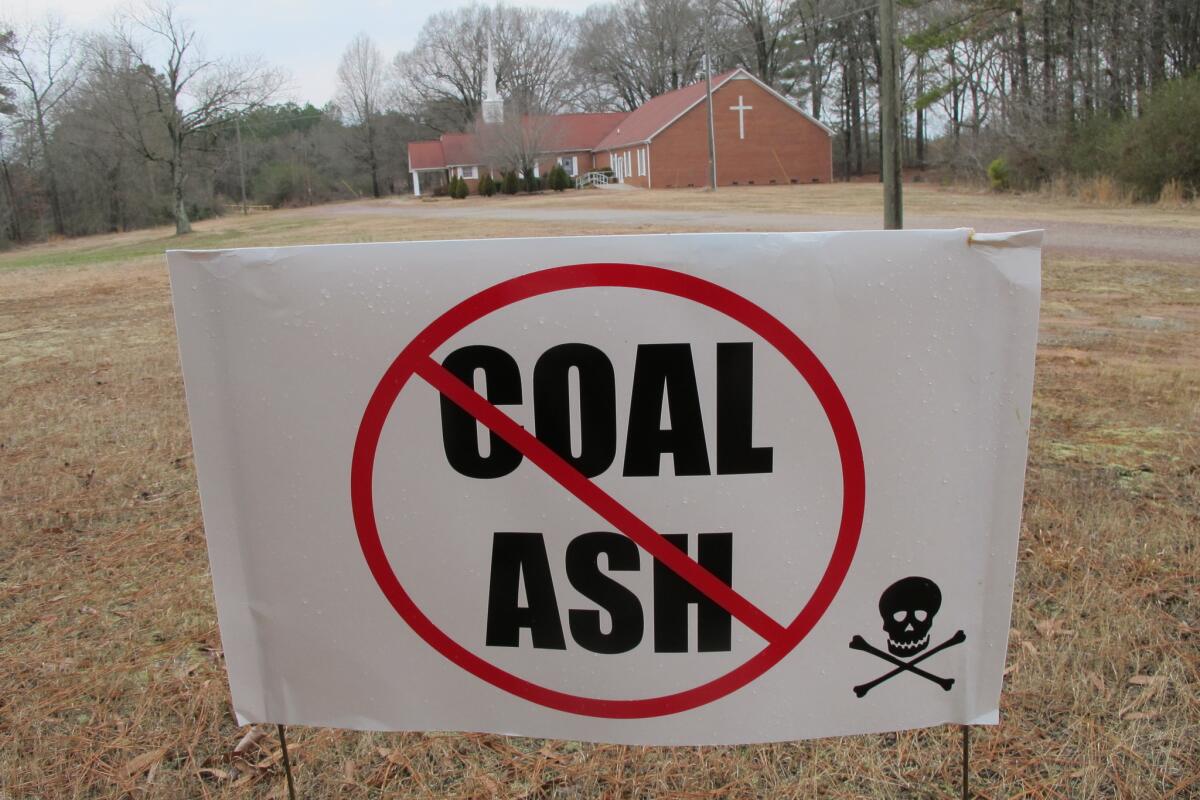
(907, 608)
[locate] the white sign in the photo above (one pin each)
(719, 488)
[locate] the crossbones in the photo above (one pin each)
(859, 643)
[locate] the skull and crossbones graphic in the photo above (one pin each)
(908, 607)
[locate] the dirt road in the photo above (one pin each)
(1133, 241)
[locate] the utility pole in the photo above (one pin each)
(237, 126)
(889, 112)
(712, 137)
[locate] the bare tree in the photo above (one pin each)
(362, 76)
(441, 78)
(7, 38)
(515, 144)
(815, 62)
(43, 62)
(12, 224)
(639, 49)
(535, 66)
(764, 31)
(192, 94)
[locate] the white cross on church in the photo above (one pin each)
(741, 108)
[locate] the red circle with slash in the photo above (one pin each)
(416, 359)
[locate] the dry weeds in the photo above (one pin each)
(1175, 195)
(919, 199)
(111, 674)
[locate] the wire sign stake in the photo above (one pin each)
(966, 756)
(287, 764)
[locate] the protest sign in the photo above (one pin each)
(684, 489)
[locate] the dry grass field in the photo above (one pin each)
(111, 675)
(864, 197)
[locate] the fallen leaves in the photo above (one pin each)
(395, 757)
(250, 740)
(1153, 687)
(1135, 715)
(1148, 680)
(249, 761)
(139, 764)
(1050, 628)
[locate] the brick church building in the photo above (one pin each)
(762, 138)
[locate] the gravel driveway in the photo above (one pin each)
(1126, 242)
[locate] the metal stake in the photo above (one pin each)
(966, 756)
(287, 764)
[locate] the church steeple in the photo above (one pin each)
(493, 105)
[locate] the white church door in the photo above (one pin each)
(618, 168)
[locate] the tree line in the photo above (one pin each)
(132, 126)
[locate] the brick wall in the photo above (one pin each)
(630, 154)
(781, 145)
(547, 163)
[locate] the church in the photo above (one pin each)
(762, 138)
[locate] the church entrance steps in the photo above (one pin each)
(591, 179)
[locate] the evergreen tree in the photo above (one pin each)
(559, 179)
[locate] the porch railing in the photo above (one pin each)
(591, 179)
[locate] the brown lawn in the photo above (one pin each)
(111, 674)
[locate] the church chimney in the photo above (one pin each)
(493, 105)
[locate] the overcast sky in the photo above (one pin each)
(304, 37)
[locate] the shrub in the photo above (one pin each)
(531, 182)
(1161, 144)
(998, 175)
(1094, 146)
(277, 183)
(458, 188)
(487, 186)
(558, 178)
(511, 184)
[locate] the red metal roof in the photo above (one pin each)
(426, 155)
(577, 131)
(561, 132)
(657, 113)
(460, 149)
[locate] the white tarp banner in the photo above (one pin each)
(718, 488)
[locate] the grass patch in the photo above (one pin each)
(835, 198)
(51, 256)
